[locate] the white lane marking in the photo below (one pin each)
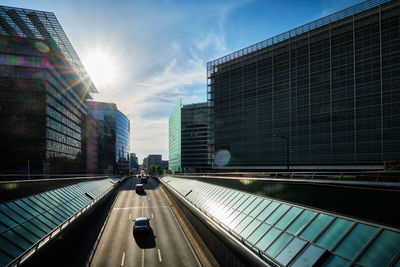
(130, 216)
(123, 258)
(152, 216)
(159, 255)
(126, 208)
(142, 257)
(148, 198)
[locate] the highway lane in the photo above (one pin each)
(166, 245)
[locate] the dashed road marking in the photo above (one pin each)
(123, 258)
(159, 255)
(142, 257)
(130, 216)
(152, 216)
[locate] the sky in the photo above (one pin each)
(146, 55)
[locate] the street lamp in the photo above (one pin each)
(287, 147)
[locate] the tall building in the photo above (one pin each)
(92, 144)
(113, 137)
(174, 139)
(331, 88)
(188, 138)
(133, 161)
(43, 85)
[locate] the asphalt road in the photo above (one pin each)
(165, 245)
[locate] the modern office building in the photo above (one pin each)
(113, 137)
(330, 88)
(43, 85)
(133, 162)
(174, 139)
(92, 144)
(188, 138)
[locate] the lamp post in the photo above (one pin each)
(287, 147)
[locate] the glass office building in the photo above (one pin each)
(195, 156)
(188, 138)
(330, 87)
(43, 85)
(174, 139)
(113, 137)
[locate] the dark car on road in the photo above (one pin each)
(139, 188)
(142, 224)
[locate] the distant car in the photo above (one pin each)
(142, 224)
(139, 188)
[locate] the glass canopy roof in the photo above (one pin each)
(26, 221)
(291, 235)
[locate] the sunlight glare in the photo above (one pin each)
(101, 67)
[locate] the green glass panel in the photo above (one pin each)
(26, 207)
(53, 216)
(47, 221)
(317, 225)
(7, 221)
(260, 208)
(10, 248)
(27, 234)
(277, 214)
(334, 233)
(41, 225)
(45, 201)
(246, 203)
(288, 218)
(34, 229)
(356, 240)
(382, 250)
(252, 206)
(4, 259)
(19, 210)
(237, 220)
(17, 239)
(249, 229)
(228, 220)
(10, 213)
(304, 218)
(240, 201)
(243, 224)
(335, 261)
(268, 238)
(268, 210)
(258, 233)
(308, 257)
(279, 244)
(32, 204)
(2, 226)
(290, 251)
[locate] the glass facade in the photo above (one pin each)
(194, 137)
(113, 133)
(24, 222)
(174, 139)
(188, 138)
(290, 235)
(331, 87)
(43, 86)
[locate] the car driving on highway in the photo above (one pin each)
(139, 188)
(142, 224)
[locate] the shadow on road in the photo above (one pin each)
(145, 240)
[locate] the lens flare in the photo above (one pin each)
(42, 47)
(222, 158)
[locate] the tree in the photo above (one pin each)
(152, 169)
(159, 170)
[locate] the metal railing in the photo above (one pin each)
(375, 177)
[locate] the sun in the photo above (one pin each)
(101, 67)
